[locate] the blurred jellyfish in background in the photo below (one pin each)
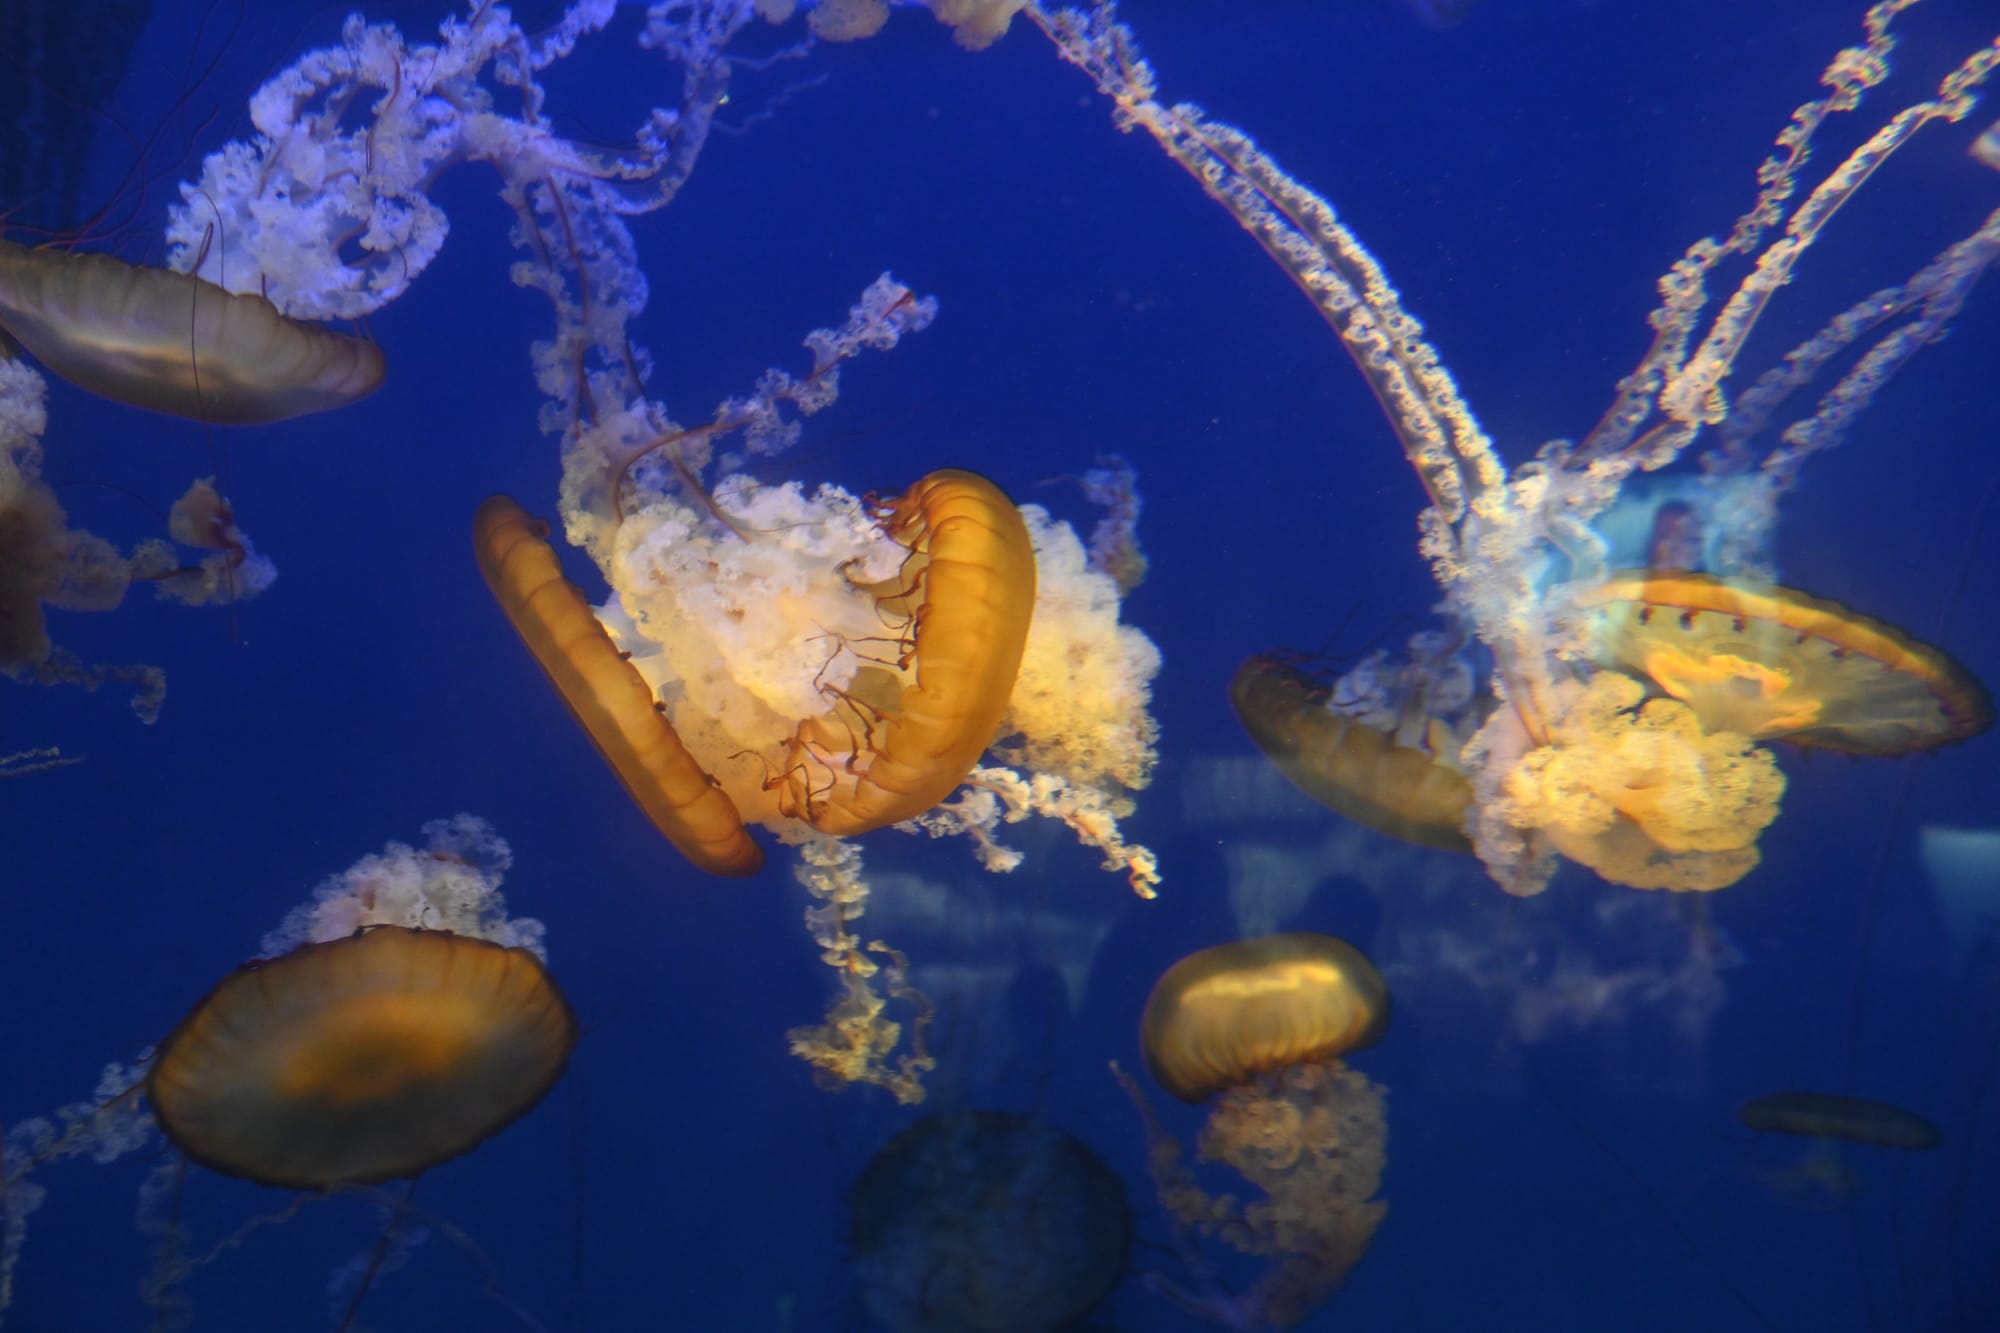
(1260, 1028)
(988, 1222)
(394, 1021)
(1829, 1120)
(1640, 977)
(1379, 744)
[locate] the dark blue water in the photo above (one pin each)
(1561, 1074)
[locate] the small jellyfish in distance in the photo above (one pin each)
(1260, 1028)
(1829, 1115)
(987, 1222)
(361, 1060)
(1823, 1176)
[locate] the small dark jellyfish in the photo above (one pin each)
(1829, 1115)
(987, 1222)
(361, 1060)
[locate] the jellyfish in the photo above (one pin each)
(1673, 790)
(974, 24)
(839, 667)
(1829, 1120)
(606, 694)
(394, 1020)
(1376, 746)
(1639, 791)
(1261, 1028)
(1653, 796)
(827, 665)
(835, 666)
(891, 731)
(1772, 663)
(987, 1221)
(867, 656)
(1828, 1115)
(891, 749)
(176, 344)
(361, 1060)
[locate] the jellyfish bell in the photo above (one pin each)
(1259, 1026)
(363, 1059)
(1824, 1176)
(1771, 663)
(895, 743)
(1222, 1017)
(177, 344)
(1410, 789)
(138, 334)
(987, 1222)
(606, 693)
(1828, 1115)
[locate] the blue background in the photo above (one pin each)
(1525, 177)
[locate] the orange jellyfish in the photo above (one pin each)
(985, 1220)
(176, 344)
(1261, 1027)
(1409, 789)
(606, 694)
(1771, 663)
(923, 703)
(364, 1059)
(893, 748)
